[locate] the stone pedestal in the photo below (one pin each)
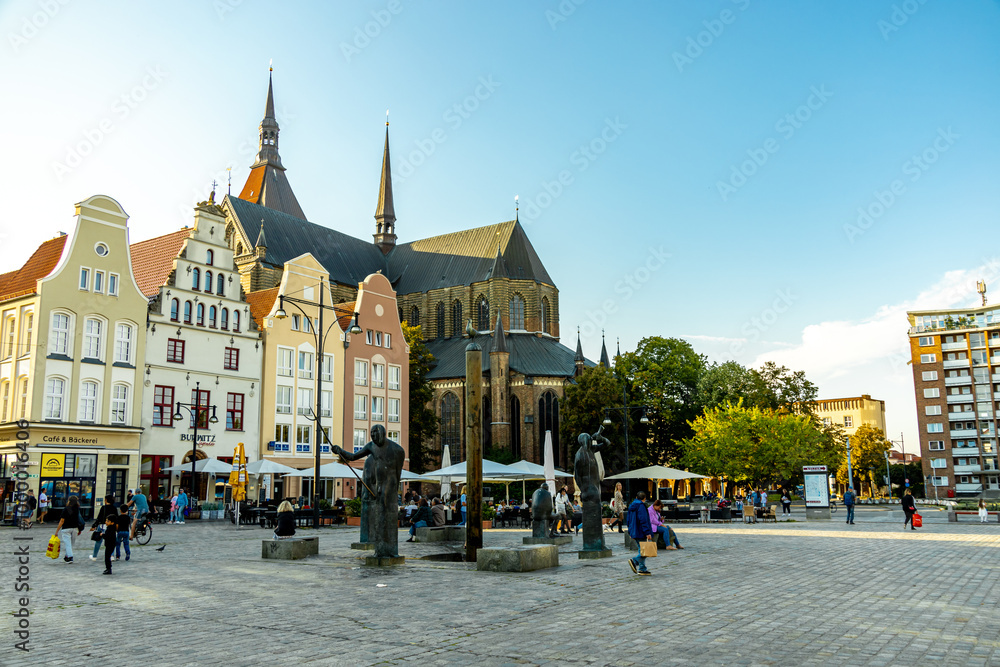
(559, 539)
(363, 546)
(292, 548)
(439, 534)
(599, 553)
(375, 561)
(818, 514)
(517, 559)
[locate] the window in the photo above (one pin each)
(234, 412)
(285, 356)
(935, 428)
(283, 400)
(27, 323)
(979, 357)
(388, 341)
(119, 403)
(304, 405)
(236, 321)
(88, 402)
(281, 437)
(933, 392)
(369, 336)
(200, 399)
(926, 340)
(517, 312)
(232, 359)
(220, 285)
(101, 250)
(378, 375)
(326, 372)
(92, 329)
(827, 421)
(302, 438)
(212, 316)
(163, 406)
(175, 350)
(224, 318)
(932, 410)
(361, 406)
(11, 336)
(440, 320)
(393, 435)
(5, 392)
(943, 463)
(929, 376)
(394, 377)
(414, 316)
(326, 404)
(360, 438)
(85, 279)
(201, 315)
(123, 344)
(939, 481)
(548, 420)
(394, 409)
(306, 365)
(196, 280)
(378, 408)
(977, 339)
(543, 314)
(24, 397)
(456, 318)
(187, 312)
(60, 334)
(451, 425)
(848, 421)
(112, 284)
(175, 310)
(515, 427)
(378, 339)
(295, 322)
(483, 315)
(99, 282)
(361, 373)
(928, 358)
(209, 257)
(935, 445)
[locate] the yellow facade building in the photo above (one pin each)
(851, 413)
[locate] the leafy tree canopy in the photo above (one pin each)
(582, 411)
(423, 425)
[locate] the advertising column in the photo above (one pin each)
(817, 491)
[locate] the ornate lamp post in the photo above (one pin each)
(195, 410)
(319, 334)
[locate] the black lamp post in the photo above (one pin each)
(320, 335)
(624, 412)
(195, 409)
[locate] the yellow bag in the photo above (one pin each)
(53, 550)
(647, 549)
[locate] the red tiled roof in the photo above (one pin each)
(260, 304)
(345, 311)
(153, 260)
(40, 264)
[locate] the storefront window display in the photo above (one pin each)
(65, 475)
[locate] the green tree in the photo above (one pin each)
(789, 391)
(582, 411)
(423, 425)
(868, 448)
(662, 373)
(899, 473)
(730, 382)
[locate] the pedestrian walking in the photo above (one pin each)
(43, 505)
(618, 507)
(68, 522)
(984, 514)
(100, 524)
(182, 503)
(850, 498)
(639, 528)
(32, 503)
(110, 535)
(463, 505)
(563, 511)
(786, 504)
(122, 522)
(909, 509)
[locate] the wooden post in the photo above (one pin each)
(473, 451)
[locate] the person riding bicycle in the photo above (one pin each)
(141, 508)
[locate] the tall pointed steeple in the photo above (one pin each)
(499, 338)
(499, 268)
(267, 184)
(578, 358)
(385, 213)
(604, 352)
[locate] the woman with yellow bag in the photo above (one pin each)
(68, 522)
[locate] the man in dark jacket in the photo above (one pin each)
(100, 524)
(850, 498)
(639, 528)
(422, 517)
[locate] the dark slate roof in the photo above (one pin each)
(349, 260)
(465, 257)
(531, 355)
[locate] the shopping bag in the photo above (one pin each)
(53, 550)
(647, 549)
(918, 521)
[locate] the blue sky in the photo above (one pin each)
(644, 111)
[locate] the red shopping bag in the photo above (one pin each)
(918, 521)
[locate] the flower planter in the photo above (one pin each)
(487, 524)
(196, 515)
(353, 521)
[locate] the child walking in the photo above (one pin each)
(121, 530)
(110, 538)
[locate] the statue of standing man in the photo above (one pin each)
(388, 457)
(588, 474)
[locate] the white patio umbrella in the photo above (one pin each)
(332, 470)
(550, 466)
(211, 466)
(446, 481)
(535, 471)
(268, 467)
(658, 474)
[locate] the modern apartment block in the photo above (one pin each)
(850, 413)
(956, 374)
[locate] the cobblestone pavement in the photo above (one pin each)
(776, 594)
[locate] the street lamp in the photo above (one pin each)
(320, 335)
(625, 411)
(195, 409)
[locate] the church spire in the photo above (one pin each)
(267, 143)
(385, 213)
(604, 352)
(578, 358)
(499, 339)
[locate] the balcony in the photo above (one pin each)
(968, 469)
(968, 488)
(963, 379)
(964, 433)
(964, 398)
(963, 345)
(994, 342)
(961, 416)
(956, 363)
(965, 452)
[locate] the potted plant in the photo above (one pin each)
(488, 515)
(352, 510)
(194, 512)
(324, 505)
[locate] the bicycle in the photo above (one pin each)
(833, 507)
(143, 531)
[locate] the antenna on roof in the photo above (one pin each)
(517, 206)
(981, 288)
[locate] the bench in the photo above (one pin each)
(439, 534)
(292, 548)
(953, 514)
(517, 559)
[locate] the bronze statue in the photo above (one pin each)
(588, 474)
(388, 456)
(367, 483)
(542, 515)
